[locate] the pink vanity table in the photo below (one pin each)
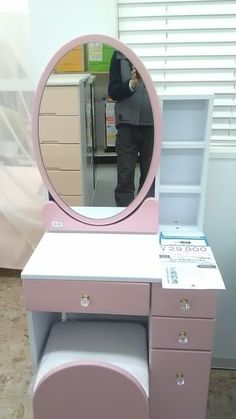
(179, 323)
(107, 341)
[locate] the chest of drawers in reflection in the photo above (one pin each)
(64, 137)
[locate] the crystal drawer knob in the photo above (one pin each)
(180, 379)
(182, 337)
(85, 300)
(185, 304)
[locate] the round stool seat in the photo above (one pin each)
(93, 370)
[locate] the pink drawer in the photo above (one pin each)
(183, 303)
(87, 297)
(180, 333)
(179, 384)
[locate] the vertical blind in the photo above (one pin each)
(189, 47)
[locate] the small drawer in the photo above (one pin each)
(183, 303)
(59, 129)
(61, 156)
(179, 384)
(60, 100)
(87, 297)
(179, 333)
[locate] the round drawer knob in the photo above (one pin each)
(182, 337)
(180, 378)
(185, 304)
(85, 300)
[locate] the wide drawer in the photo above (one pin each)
(59, 129)
(87, 297)
(62, 100)
(73, 200)
(66, 182)
(183, 303)
(61, 156)
(179, 384)
(181, 333)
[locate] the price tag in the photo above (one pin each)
(189, 264)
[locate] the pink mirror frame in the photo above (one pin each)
(115, 43)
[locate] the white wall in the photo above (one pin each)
(220, 227)
(56, 22)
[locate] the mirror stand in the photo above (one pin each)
(144, 220)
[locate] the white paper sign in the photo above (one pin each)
(189, 264)
(95, 51)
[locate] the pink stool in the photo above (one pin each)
(93, 370)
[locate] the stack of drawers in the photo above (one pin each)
(62, 131)
(181, 335)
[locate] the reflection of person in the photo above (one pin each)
(134, 122)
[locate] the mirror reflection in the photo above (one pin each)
(96, 129)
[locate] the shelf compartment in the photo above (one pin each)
(188, 120)
(182, 144)
(179, 209)
(188, 163)
(176, 189)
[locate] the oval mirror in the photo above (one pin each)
(79, 112)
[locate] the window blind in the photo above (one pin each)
(189, 47)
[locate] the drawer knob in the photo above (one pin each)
(185, 304)
(180, 378)
(182, 337)
(85, 300)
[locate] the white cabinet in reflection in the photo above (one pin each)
(64, 135)
(186, 124)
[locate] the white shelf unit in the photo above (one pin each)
(181, 186)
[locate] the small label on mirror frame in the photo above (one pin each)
(57, 224)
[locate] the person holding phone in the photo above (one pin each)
(134, 123)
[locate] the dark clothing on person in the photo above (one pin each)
(132, 108)
(134, 122)
(130, 143)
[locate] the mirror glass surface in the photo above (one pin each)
(77, 111)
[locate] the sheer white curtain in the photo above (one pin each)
(21, 190)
